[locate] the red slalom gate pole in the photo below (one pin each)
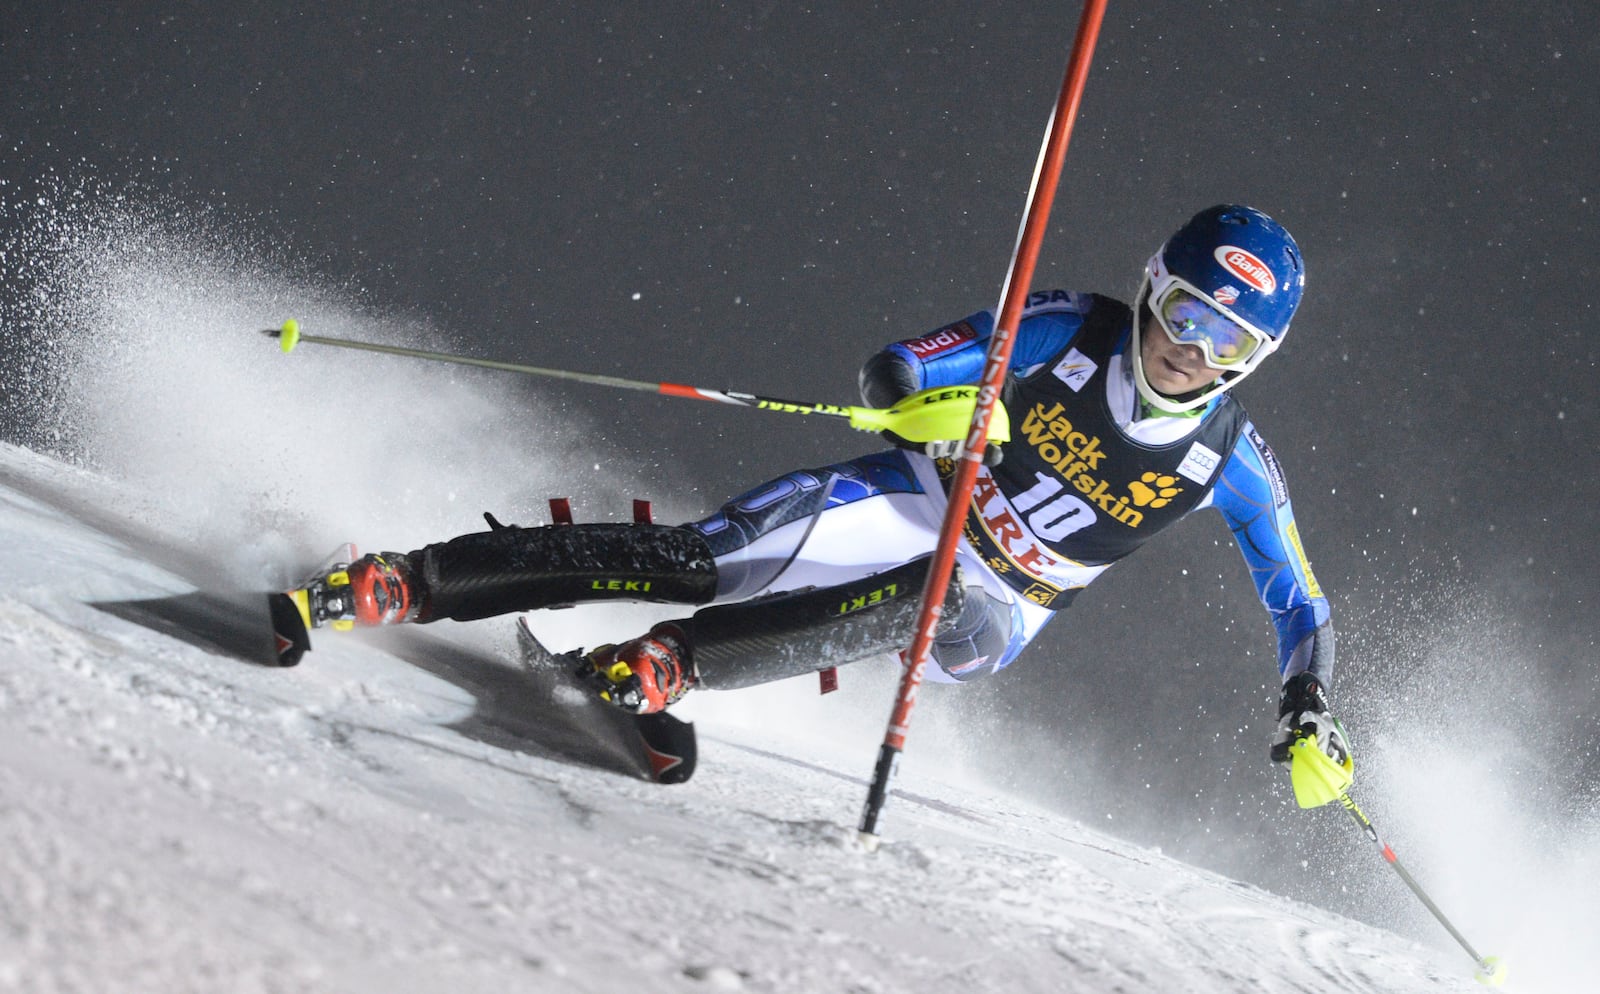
(1019, 278)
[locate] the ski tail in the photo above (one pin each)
(670, 746)
(290, 611)
(291, 627)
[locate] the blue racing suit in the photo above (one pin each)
(1088, 476)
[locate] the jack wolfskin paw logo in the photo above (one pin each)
(1040, 594)
(1154, 490)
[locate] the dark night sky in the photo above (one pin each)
(786, 186)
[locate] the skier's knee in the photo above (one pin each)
(978, 642)
(755, 535)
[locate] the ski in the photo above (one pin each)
(658, 747)
(572, 715)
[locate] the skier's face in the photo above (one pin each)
(1171, 368)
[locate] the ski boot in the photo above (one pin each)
(643, 675)
(377, 589)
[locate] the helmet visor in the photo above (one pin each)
(1191, 320)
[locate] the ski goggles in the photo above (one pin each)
(1191, 320)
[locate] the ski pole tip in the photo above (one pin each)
(288, 335)
(1491, 971)
(868, 841)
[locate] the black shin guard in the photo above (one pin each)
(784, 635)
(521, 569)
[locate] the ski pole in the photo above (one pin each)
(1319, 779)
(940, 414)
(1491, 970)
(1014, 294)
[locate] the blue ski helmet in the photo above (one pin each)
(1229, 281)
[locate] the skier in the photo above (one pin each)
(1122, 422)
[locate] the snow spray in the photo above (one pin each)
(129, 322)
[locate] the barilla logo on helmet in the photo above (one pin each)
(1247, 267)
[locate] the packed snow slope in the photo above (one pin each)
(175, 817)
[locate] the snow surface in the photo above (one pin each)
(173, 818)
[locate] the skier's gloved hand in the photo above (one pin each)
(943, 449)
(1303, 713)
